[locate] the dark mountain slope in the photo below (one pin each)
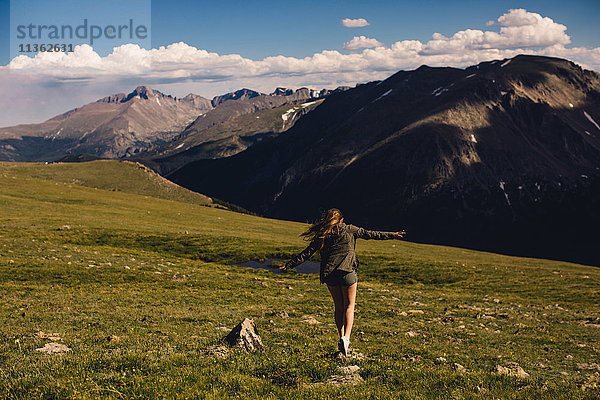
(503, 156)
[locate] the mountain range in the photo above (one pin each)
(114, 126)
(124, 125)
(502, 156)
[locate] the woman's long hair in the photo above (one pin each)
(319, 229)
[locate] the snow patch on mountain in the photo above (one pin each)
(589, 117)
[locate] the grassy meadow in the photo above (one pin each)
(136, 278)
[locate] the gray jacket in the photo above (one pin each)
(338, 249)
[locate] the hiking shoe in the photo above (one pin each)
(345, 345)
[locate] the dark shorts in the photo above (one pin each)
(341, 278)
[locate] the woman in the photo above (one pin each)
(336, 241)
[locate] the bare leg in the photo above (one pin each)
(338, 301)
(349, 295)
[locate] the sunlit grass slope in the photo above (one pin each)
(139, 286)
(111, 175)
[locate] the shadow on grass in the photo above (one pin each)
(209, 248)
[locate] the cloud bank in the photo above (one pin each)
(180, 68)
(354, 23)
(361, 42)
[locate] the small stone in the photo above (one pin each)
(54, 348)
(349, 369)
(569, 357)
(411, 333)
(513, 369)
(588, 366)
(440, 360)
(113, 339)
(64, 228)
(342, 380)
(281, 314)
(458, 367)
(310, 320)
(415, 311)
(245, 336)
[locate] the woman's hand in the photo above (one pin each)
(400, 235)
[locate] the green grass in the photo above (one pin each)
(110, 175)
(127, 270)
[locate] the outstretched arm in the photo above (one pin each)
(301, 257)
(362, 233)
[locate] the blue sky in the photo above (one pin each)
(210, 48)
(257, 29)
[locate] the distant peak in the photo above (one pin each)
(241, 94)
(281, 91)
(142, 92)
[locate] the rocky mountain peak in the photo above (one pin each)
(281, 91)
(143, 92)
(242, 94)
(197, 101)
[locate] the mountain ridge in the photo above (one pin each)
(123, 124)
(481, 157)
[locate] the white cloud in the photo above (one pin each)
(354, 23)
(362, 42)
(179, 68)
(519, 29)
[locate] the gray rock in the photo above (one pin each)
(349, 369)
(245, 336)
(458, 367)
(309, 319)
(54, 348)
(512, 369)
